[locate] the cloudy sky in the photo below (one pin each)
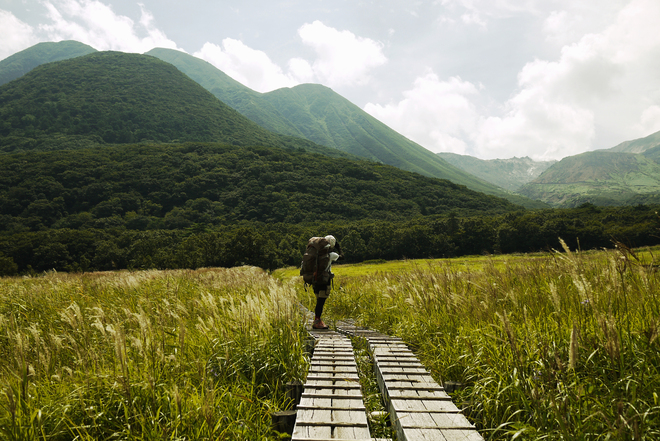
(487, 78)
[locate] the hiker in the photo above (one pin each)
(316, 269)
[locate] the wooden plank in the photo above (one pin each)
(339, 439)
(406, 370)
(400, 363)
(352, 432)
(424, 406)
(332, 417)
(347, 369)
(321, 423)
(310, 387)
(333, 401)
(444, 435)
(311, 432)
(334, 407)
(425, 420)
(332, 393)
(409, 385)
(390, 371)
(418, 395)
(416, 378)
(332, 377)
(339, 382)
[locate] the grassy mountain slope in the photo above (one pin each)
(20, 63)
(324, 117)
(638, 145)
(598, 177)
(245, 100)
(510, 174)
(113, 97)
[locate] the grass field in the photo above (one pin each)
(548, 346)
(146, 355)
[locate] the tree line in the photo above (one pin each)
(273, 245)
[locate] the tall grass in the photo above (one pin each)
(556, 346)
(146, 355)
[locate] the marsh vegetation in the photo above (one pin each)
(549, 346)
(146, 355)
(560, 345)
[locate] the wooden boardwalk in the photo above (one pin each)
(419, 408)
(331, 407)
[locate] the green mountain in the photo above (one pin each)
(113, 97)
(20, 63)
(638, 145)
(245, 100)
(601, 178)
(320, 115)
(510, 174)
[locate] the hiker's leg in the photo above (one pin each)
(322, 293)
(320, 301)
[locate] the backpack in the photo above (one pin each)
(315, 261)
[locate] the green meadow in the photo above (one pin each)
(176, 355)
(560, 345)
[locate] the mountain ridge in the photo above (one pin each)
(20, 63)
(113, 97)
(510, 174)
(315, 115)
(599, 177)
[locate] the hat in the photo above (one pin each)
(331, 239)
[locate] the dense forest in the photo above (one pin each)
(203, 204)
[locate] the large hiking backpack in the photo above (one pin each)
(315, 261)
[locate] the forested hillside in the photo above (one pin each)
(159, 186)
(318, 114)
(192, 205)
(112, 97)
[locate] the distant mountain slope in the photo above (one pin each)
(222, 86)
(653, 154)
(510, 174)
(324, 117)
(22, 62)
(638, 145)
(598, 177)
(113, 97)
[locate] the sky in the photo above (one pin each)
(487, 78)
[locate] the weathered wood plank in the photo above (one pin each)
(446, 406)
(352, 432)
(425, 420)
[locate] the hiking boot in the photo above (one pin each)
(318, 324)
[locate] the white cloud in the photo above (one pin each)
(437, 114)
(248, 66)
(602, 89)
(15, 35)
(96, 24)
(342, 57)
(479, 12)
(601, 84)
(649, 121)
